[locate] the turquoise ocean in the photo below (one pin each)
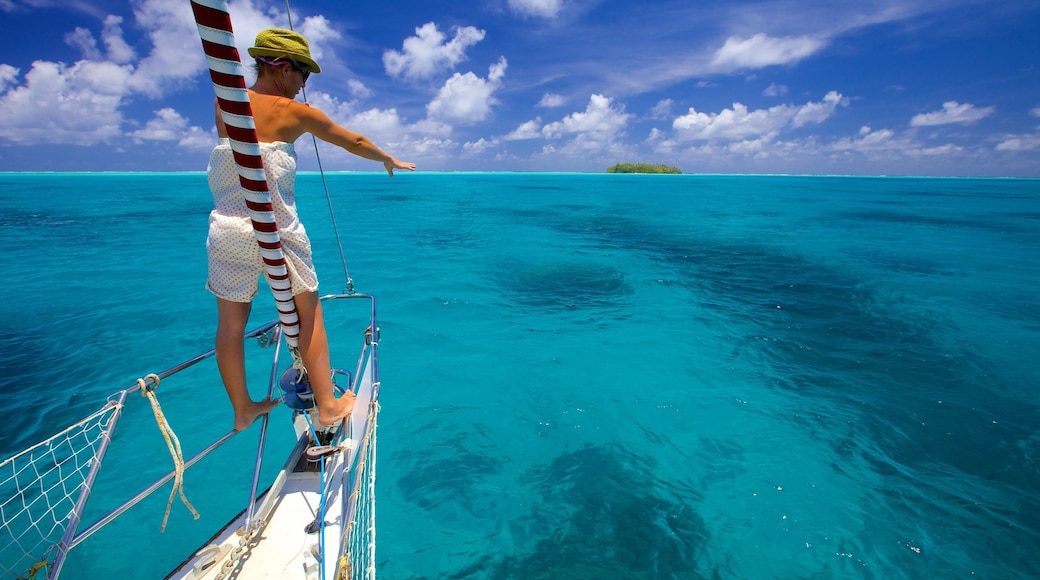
(583, 376)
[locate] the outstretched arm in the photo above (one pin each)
(321, 126)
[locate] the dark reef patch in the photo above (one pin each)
(601, 514)
(570, 285)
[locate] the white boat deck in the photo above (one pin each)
(283, 547)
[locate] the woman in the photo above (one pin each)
(284, 63)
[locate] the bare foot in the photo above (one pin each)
(340, 410)
(245, 417)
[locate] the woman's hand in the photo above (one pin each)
(393, 164)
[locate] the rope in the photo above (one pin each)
(172, 443)
(31, 573)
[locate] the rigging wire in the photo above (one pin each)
(349, 288)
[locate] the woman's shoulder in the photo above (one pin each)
(286, 109)
(269, 100)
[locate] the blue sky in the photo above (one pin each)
(873, 87)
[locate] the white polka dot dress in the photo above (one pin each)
(235, 264)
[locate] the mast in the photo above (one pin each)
(229, 83)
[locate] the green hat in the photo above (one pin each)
(281, 43)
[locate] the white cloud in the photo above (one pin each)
(753, 147)
(542, 8)
(430, 148)
(381, 125)
(530, 130)
(775, 90)
(551, 101)
(358, 89)
(735, 123)
(168, 25)
(318, 31)
(869, 148)
(474, 148)
(116, 48)
(82, 39)
(467, 99)
(429, 126)
(817, 113)
(82, 103)
(761, 51)
(951, 113)
(167, 125)
(660, 142)
(662, 110)
(8, 76)
(1024, 141)
(740, 123)
(885, 144)
(941, 150)
(601, 116)
(593, 134)
(1019, 142)
(77, 105)
(427, 53)
(176, 58)
(869, 140)
(195, 138)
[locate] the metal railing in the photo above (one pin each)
(267, 334)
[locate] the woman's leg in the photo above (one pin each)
(314, 350)
(231, 361)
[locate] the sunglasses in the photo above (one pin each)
(302, 69)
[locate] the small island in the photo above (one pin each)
(642, 168)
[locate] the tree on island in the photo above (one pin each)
(642, 168)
